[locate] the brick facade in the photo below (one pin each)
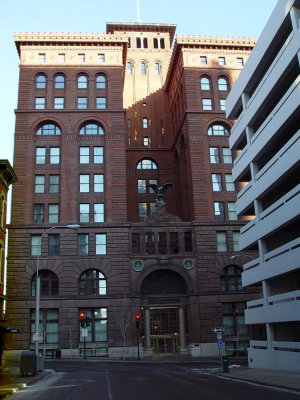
(158, 261)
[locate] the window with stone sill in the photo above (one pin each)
(40, 103)
(100, 102)
(53, 183)
(99, 212)
(97, 331)
(53, 213)
(81, 102)
(84, 213)
(100, 243)
(54, 155)
(39, 186)
(59, 103)
(207, 104)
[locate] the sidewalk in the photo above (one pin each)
(11, 381)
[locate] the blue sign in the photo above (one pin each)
(220, 343)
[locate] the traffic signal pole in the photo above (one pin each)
(137, 325)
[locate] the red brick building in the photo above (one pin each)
(99, 118)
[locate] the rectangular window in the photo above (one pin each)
(84, 155)
(53, 245)
(53, 183)
(81, 58)
(150, 244)
(146, 141)
(39, 186)
(222, 61)
(100, 102)
(98, 155)
(174, 242)
(216, 182)
(221, 241)
(222, 104)
(227, 156)
(142, 210)
(59, 103)
(100, 243)
(239, 62)
(101, 58)
(81, 102)
(234, 319)
(229, 183)
(97, 331)
(84, 213)
(128, 123)
(162, 243)
(53, 213)
(188, 244)
(48, 325)
(36, 248)
(219, 210)
(54, 155)
(152, 182)
(84, 183)
(98, 212)
(231, 211)
(141, 185)
(83, 244)
(61, 58)
(214, 155)
(40, 103)
(40, 155)
(42, 57)
(236, 236)
(98, 183)
(203, 60)
(152, 208)
(135, 243)
(38, 213)
(206, 104)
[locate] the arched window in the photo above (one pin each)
(218, 130)
(40, 82)
(231, 279)
(48, 283)
(91, 129)
(145, 123)
(205, 83)
(129, 68)
(143, 68)
(92, 283)
(48, 129)
(82, 82)
(59, 82)
(100, 82)
(146, 164)
(156, 69)
(222, 85)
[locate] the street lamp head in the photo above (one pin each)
(232, 257)
(72, 226)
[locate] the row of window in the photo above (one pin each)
(142, 43)
(87, 213)
(53, 156)
(83, 244)
(222, 61)
(214, 155)
(217, 185)
(61, 58)
(60, 81)
(92, 282)
(86, 185)
(205, 84)
(143, 68)
(59, 103)
(88, 128)
(207, 104)
(222, 242)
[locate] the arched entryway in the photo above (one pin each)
(162, 294)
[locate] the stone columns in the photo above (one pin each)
(183, 349)
(148, 349)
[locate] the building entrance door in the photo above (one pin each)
(164, 330)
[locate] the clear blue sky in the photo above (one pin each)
(199, 17)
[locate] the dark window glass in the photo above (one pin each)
(92, 283)
(38, 216)
(53, 245)
(231, 279)
(83, 244)
(174, 242)
(188, 245)
(136, 243)
(48, 283)
(162, 243)
(150, 247)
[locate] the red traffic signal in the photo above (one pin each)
(82, 316)
(137, 321)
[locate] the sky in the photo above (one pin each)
(244, 18)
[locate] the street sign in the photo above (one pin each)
(219, 335)
(215, 330)
(220, 343)
(84, 332)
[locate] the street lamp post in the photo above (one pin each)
(37, 286)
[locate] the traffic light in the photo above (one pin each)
(141, 332)
(137, 321)
(82, 319)
(87, 321)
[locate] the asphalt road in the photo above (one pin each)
(98, 380)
